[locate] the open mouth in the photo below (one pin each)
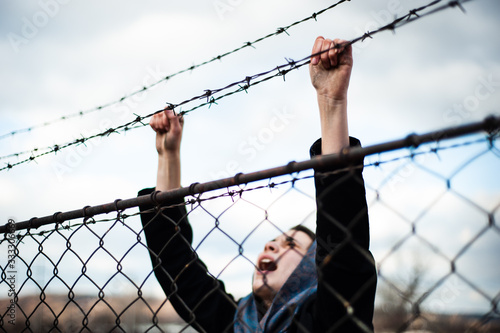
(266, 264)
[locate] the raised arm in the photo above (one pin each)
(346, 271)
(198, 298)
(168, 127)
(330, 72)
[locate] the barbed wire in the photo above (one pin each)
(490, 138)
(242, 85)
(219, 57)
(346, 158)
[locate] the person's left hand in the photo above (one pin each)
(330, 71)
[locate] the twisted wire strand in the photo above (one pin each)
(67, 225)
(489, 124)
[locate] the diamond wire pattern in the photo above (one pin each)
(95, 276)
(442, 290)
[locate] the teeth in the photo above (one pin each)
(267, 264)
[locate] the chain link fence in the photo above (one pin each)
(433, 211)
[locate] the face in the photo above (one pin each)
(277, 262)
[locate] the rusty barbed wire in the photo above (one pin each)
(219, 57)
(491, 139)
(242, 85)
(490, 124)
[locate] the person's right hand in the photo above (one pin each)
(168, 127)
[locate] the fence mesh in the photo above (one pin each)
(433, 214)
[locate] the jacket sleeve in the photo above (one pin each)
(199, 298)
(346, 270)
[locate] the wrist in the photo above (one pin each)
(331, 107)
(169, 155)
(330, 99)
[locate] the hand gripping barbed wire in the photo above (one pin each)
(242, 85)
(278, 31)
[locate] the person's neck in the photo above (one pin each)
(263, 304)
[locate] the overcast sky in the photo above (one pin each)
(61, 58)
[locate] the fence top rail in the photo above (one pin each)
(345, 158)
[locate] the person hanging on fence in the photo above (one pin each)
(303, 281)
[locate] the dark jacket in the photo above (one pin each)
(344, 299)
